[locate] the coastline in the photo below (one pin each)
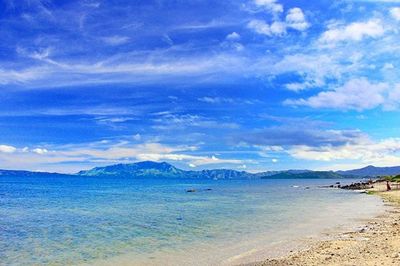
(376, 243)
(256, 248)
(257, 254)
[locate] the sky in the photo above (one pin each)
(250, 85)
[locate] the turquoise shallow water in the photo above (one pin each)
(71, 221)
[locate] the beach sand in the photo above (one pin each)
(377, 243)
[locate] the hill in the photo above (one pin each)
(305, 175)
(372, 171)
(21, 173)
(140, 169)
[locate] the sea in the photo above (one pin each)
(126, 221)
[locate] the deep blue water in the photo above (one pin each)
(70, 221)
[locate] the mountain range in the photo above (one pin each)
(372, 171)
(149, 169)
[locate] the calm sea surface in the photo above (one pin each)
(72, 221)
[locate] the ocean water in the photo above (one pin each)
(95, 221)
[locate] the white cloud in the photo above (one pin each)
(271, 148)
(393, 99)
(395, 13)
(238, 46)
(356, 94)
(313, 68)
(174, 121)
(232, 41)
(383, 152)
(103, 153)
(40, 151)
(270, 5)
(278, 28)
(11, 76)
(234, 36)
(216, 100)
(226, 100)
(91, 4)
(356, 31)
(39, 55)
(357, 150)
(124, 67)
(297, 86)
(388, 66)
(137, 137)
(243, 167)
(7, 149)
(295, 19)
(116, 40)
(193, 159)
(260, 27)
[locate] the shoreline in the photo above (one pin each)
(279, 253)
(375, 243)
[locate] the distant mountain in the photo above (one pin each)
(274, 173)
(149, 169)
(372, 171)
(140, 169)
(21, 173)
(305, 175)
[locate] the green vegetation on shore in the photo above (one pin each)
(392, 178)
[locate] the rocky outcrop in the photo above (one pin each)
(359, 185)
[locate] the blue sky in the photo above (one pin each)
(250, 85)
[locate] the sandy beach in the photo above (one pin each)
(376, 243)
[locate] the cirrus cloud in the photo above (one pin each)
(295, 135)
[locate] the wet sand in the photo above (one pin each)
(376, 243)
